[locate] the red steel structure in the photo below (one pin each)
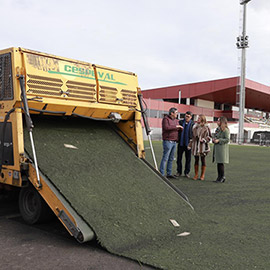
(222, 91)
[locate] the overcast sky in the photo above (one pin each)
(164, 42)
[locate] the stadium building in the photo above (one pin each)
(214, 98)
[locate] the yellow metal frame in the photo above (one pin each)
(58, 84)
(40, 69)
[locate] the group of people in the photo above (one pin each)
(193, 139)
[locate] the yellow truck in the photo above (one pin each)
(37, 89)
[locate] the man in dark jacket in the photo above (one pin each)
(185, 135)
(170, 127)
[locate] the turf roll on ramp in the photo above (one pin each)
(127, 205)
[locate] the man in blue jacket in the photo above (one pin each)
(185, 135)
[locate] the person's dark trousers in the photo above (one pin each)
(220, 169)
(180, 151)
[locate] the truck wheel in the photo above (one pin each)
(32, 206)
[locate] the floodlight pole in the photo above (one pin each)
(242, 43)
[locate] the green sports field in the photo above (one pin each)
(234, 216)
(129, 207)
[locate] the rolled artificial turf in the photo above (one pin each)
(128, 206)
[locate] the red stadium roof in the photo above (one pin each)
(220, 91)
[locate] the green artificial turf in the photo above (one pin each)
(126, 204)
(235, 216)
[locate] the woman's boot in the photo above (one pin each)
(196, 168)
(203, 172)
(222, 180)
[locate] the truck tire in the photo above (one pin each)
(32, 207)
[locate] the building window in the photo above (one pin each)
(227, 107)
(217, 106)
(171, 100)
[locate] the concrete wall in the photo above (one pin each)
(156, 134)
(205, 104)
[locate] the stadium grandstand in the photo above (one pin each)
(214, 98)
